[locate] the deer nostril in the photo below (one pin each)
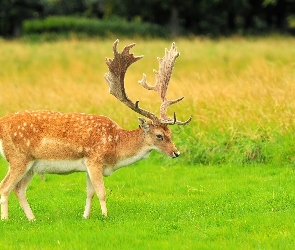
(176, 154)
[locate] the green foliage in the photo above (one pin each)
(212, 147)
(203, 17)
(62, 25)
(211, 18)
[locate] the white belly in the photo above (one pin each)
(59, 166)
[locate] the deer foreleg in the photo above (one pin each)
(102, 198)
(90, 194)
(96, 177)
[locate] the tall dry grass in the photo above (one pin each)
(235, 87)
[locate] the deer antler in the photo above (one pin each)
(115, 79)
(162, 81)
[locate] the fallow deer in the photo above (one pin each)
(61, 143)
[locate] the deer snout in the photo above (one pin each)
(176, 154)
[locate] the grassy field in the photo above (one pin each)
(232, 187)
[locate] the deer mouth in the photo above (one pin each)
(175, 154)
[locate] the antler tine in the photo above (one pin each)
(163, 76)
(165, 119)
(115, 78)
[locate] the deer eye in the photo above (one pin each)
(159, 136)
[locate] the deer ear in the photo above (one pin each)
(143, 124)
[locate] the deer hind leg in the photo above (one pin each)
(4, 191)
(96, 178)
(6, 186)
(14, 175)
(90, 194)
(20, 192)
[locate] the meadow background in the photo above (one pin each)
(232, 187)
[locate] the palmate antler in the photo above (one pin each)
(115, 79)
(163, 76)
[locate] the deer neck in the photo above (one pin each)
(133, 144)
(130, 148)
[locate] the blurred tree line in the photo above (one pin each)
(199, 17)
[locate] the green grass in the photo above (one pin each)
(232, 187)
(160, 207)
